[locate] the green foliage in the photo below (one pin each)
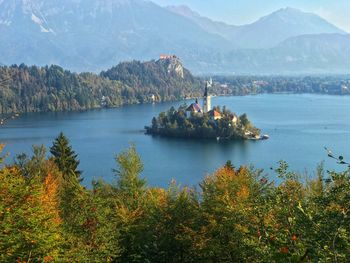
(244, 120)
(244, 85)
(34, 89)
(30, 227)
(237, 215)
(65, 158)
(158, 78)
(128, 173)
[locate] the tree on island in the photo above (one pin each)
(244, 120)
(65, 158)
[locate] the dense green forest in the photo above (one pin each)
(181, 124)
(244, 85)
(234, 215)
(51, 88)
(34, 89)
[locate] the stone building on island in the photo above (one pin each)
(195, 108)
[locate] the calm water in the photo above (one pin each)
(299, 127)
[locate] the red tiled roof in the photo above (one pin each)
(194, 107)
(214, 113)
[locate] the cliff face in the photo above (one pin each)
(173, 66)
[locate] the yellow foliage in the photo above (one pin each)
(49, 198)
(127, 215)
(334, 207)
(243, 193)
(233, 185)
(157, 196)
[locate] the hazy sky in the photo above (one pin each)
(246, 11)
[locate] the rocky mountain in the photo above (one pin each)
(92, 35)
(214, 27)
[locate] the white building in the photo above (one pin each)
(207, 97)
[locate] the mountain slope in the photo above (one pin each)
(214, 27)
(307, 54)
(92, 35)
(270, 30)
(266, 32)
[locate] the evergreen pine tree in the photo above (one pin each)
(229, 165)
(65, 158)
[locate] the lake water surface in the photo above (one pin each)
(299, 127)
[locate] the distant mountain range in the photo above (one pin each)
(268, 31)
(92, 35)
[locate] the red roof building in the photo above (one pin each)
(215, 115)
(195, 107)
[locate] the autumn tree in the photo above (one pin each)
(228, 210)
(29, 219)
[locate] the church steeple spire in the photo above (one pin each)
(206, 89)
(206, 97)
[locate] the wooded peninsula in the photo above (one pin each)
(51, 88)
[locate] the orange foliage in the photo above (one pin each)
(243, 193)
(226, 177)
(48, 259)
(127, 215)
(49, 197)
(158, 196)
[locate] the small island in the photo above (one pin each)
(194, 121)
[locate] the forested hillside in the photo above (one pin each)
(235, 215)
(244, 85)
(51, 88)
(167, 78)
(34, 89)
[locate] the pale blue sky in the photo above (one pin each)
(246, 11)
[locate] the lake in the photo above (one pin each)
(299, 127)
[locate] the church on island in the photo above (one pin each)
(203, 122)
(195, 108)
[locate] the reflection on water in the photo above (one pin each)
(299, 127)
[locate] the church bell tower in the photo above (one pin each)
(207, 97)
